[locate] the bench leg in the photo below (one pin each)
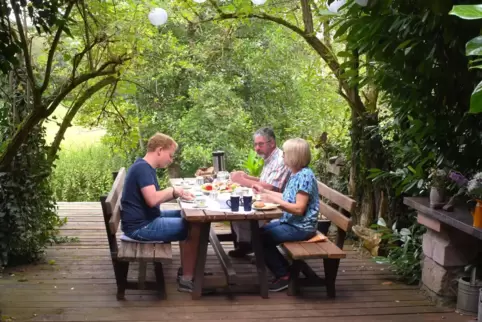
(161, 285)
(308, 271)
(142, 275)
(331, 269)
(294, 286)
(122, 268)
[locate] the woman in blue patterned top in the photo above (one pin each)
(300, 204)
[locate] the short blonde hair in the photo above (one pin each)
(160, 140)
(297, 154)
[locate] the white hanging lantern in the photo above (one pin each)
(158, 16)
(336, 5)
(362, 3)
(258, 2)
(199, 1)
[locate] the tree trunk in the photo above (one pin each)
(13, 144)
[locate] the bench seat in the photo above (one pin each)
(142, 252)
(304, 250)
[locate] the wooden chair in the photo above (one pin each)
(336, 209)
(123, 253)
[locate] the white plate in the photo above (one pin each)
(267, 206)
(199, 207)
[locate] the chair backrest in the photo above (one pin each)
(113, 202)
(338, 209)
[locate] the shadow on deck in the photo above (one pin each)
(76, 282)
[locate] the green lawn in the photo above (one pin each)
(75, 136)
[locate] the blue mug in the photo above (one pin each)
(247, 203)
(233, 203)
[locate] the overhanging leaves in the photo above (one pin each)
(474, 47)
(469, 12)
(476, 100)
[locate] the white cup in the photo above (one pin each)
(200, 202)
(222, 198)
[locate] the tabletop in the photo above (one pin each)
(210, 215)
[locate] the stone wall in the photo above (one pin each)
(446, 252)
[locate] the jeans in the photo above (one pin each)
(274, 234)
(168, 227)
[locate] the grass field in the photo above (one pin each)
(76, 136)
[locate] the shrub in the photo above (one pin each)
(84, 174)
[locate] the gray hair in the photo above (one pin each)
(265, 132)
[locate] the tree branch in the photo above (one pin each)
(66, 123)
(78, 57)
(307, 16)
(69, 87)
(87, 37)
(122, 118)
(311, 39)
(53, 47)
(23, 42)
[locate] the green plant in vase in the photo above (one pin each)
(253, 165)
(438, 183)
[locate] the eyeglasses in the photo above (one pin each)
(261, 144)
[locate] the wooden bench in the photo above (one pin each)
(336, 207)
(123, 253)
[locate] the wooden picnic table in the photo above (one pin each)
(204, 218)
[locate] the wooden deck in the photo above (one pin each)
(76, 282)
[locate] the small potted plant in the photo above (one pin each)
(438, 182)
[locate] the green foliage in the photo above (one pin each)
(404, 248)
(83, 174)
(253, 165)
(28, 218)
(212, 87)
(43, 14)
(414, 56)
(473, 48)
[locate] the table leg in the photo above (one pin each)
(259, 255)
(201, 261)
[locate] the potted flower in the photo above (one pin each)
(438, 181)
(474, 190)
(461, 181)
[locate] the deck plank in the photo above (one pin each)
(75, 282)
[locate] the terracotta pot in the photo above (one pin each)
(477, 214)
(437, 197)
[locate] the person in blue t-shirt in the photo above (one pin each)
(300, 203)
(141, 216)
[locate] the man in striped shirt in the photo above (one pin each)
(274, 176)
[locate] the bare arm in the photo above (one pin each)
(298, 208)
(154, 198)
(249, 181)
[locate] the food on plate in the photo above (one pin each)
(258, 204)
(219, 186)
(207, 187)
